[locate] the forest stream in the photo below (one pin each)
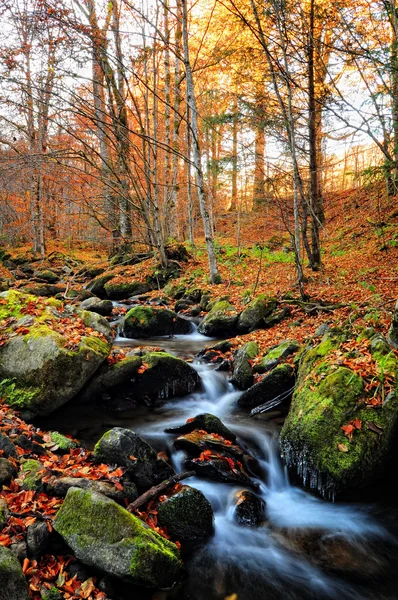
(266, 562)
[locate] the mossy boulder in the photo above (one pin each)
(242, 375)
(139, 380)
(276, 355)
(253, 316)
(46, 275)
(279, 381)
(206, 422)
(106, 536)
(96, 305)
(31, 474)
(49, 351)
(120, 290)
(60, 443)
(96, 285)
(331, 395)
(46, 290)
(187, 516)
(13, 584)
(221, 320)
(60, 487)
(146, 322)
(125, 448)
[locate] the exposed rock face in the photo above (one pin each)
(49, 353)
(104, 535)
(125, 448)
(61, 486)
(13, 584)
(250, 509)
(242, 375)
(221, 320)
(279, 381)
(141, 380)
(102, 307)
(337, 434)
(146, 321)
(253, 316)
(187, 515)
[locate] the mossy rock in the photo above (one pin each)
(62, 444)
(96, 305)
(329, 396)
(52, 594)
(253, 316)
(31, 474)
(4, 513)
(174, 290)
(120, 290)
(13, 584)
(46, 290)
(145, 321)
(276, 355)
(106, 536)
(96, 285)
(242, 375)
(279, 381)
(41, 368)
(187, 516)
(47, 275)
(221, 320)
(206, 422)
(161, 275)
(125, 448)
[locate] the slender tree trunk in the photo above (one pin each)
(259, 176)
(234, 182)
(191, 102)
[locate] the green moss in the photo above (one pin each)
(52, 594)
(31, 477)
(95, 344)
(65, 444)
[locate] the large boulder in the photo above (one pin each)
(276, 355)
(343, 418)
(187, 516)
(242, 375)
(119, 290)
(125, 448)
(96, 305)
(279, 381)
(221, 320)
(13, 584)
(253, 316)
(106, 536)
(146, 321)
(139, 380)
(48, 351)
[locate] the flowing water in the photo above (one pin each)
(267, 562)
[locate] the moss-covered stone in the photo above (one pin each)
(116, 290)
(47, 275)
(102, 307)
(13, 584)
(104, 535)
(96, 285)
(187, 516)
(278, 381)
(63, 443)
(329, 396)
(242, 375)
(4, 513)
(41, 368)
(221, 320)
(31, 474)
(253, 316)
(276, 355)
(145, 322)
(52, 594)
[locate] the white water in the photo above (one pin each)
(239, 550)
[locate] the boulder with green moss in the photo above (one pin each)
(49, 351)
(60, 444)
(46, 275)
(146, 322)
(107, 537)
(125, 448)
(13, 584)
(31, 474)
(253, 316)
(46, 290)
(221, 320)
(242, 375)
(139, 380)
(96, 285)
(4, 513)
(187, 516)
(96, 305)
(279, 381)
(332, 393)
(120, 290)
(276, 355)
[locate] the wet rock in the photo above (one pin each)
(96, 286)
(125, 448)
(224, 366)
(226, 470)
(7, 471)
(31, 474)
(19, 550)
(13, 584)
(250, 509)
(120, 290)
(41, 368)
(59, 487)
(37, 538)
(197, 441)
(104, 535)
(206, 422)
(145, 321)
(7, 448)
(277, 355)
(221, 320)
(393, 331)
(187, 516)
(279, 381)
(4, 513)
(242, 376)
(328, 397)
(182, 304)
(253, 316)
(102, 307)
